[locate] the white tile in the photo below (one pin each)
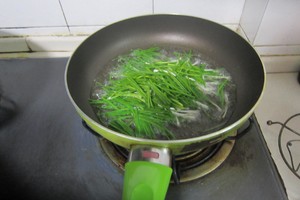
(278, 50)
(251, 18)
(242, 33)
(103, 12)
(22, 55)
(281, 63)
(280, 24)
(279, 102)
(84, 30)
(30, 13)
(34, 31)
(13, 45)
(216, 10)
(233, 27)
(52, 43)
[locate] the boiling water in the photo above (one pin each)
(208, 117)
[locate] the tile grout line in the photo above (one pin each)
(260, 23)
(27, 43)
(61, 7)
(153, 6)
(240, 27)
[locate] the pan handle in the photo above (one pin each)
(147, 174)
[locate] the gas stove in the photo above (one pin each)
(186, 167)
(46, 152)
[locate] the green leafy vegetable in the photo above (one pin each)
(150, 90)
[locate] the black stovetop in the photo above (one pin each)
(46, 153)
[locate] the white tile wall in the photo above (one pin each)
(26, 31)
(103, 12)
(61, 17)
(278, 50)
(84, 30)
(280, 24)
(270, 25)
(278, 64)
(30, 13)
(251, 17)
(225, 12)
(13, 44)
(53, 43)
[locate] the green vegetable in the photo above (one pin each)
(150, 89)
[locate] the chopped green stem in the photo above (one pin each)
(149, 90)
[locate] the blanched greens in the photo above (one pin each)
(151, 89)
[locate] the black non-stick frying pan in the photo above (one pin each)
(219, 43)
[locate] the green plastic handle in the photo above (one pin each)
(146, 181)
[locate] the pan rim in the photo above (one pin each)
(208, 136)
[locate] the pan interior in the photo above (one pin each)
(209, 115)
(214, 41)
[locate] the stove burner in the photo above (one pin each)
(186, 167)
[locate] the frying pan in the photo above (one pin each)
(219, 43)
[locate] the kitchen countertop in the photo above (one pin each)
(62, 173)
(281, 100)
